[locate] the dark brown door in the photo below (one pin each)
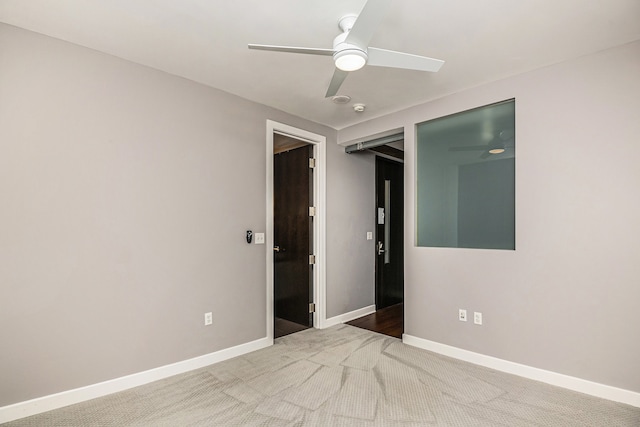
(389, 233)
(293, 278)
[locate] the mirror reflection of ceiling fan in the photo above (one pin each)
(505, 141)
(351, 49)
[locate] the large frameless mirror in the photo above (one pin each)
(465, 167)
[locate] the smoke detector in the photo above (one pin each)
(358, 108)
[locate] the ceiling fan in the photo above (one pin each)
(351, 49)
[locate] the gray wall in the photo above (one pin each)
(126, 193)
(566, 299)
(350, 214)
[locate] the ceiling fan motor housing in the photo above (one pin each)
(347, 56)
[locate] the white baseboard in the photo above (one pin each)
(572, 383)
(69, 397)
(347, 317)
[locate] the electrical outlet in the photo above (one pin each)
(462, 315)
(369, 235)
(208, 318)
(259, 238)
(477, 318)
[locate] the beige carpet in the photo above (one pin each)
(342, 376)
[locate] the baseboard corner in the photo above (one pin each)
(347, 317)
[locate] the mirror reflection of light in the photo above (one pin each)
(496, 150)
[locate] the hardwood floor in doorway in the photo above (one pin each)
(284, 327)
(387, 321)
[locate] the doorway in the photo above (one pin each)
(389, 233)
(318, 143)
(389, 251)
(292, 235)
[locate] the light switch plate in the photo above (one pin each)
(369, 235)
(259, 238)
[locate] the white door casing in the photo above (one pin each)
(319, 143)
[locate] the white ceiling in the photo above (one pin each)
(206, 41)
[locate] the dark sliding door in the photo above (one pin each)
(389, 233)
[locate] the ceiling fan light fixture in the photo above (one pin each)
(350, 59)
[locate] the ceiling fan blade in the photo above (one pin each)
(336, 82)
(367, 22)
(391, 58)
(470, 148)
(292, 49)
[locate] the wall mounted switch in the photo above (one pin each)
(369, 235)
(259, 238)
(462, 315)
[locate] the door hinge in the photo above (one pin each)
(312, 259)
(312, 163)
(312, 211)
(312, 307)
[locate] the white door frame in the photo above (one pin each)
(319, 222)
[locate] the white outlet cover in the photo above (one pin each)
(208, 319)
(477, 318)
(462, 315)
(369, 235)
